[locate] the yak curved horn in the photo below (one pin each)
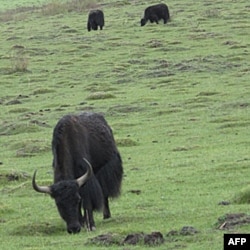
(40, 189)
(81, 180)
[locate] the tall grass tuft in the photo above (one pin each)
(243, 197)
(19, 60)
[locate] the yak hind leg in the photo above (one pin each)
(94, 27)
(106, 210)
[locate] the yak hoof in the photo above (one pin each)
(89, 229)
(106, 214)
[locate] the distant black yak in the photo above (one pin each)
(155, 13)
(87, 169)
(95, 19)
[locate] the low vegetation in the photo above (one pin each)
(175, 95)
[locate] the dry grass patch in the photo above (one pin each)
(243, 197)
(30, 148)
(125, 142)
(100, 95)
(57, 7)
(52, 8)
(19, 59)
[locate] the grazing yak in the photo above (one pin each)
(87, 169)
(95, 19)
(155, 13)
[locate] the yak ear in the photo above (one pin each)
(83, 179)
(40, 189)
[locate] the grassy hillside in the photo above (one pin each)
(177, 97)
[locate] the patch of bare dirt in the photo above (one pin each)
(151, 239)
(14, 176)
(133, 239)
(229, 221)
(186, 230)
(135, 191)
(155, 238)
(105, 239)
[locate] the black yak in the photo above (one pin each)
(95, 19)
(155, 13)
(87, 169)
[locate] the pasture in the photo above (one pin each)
(177, 97)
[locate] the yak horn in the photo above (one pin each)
(81, 180)
(40, 189)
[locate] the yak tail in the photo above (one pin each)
(110, 177)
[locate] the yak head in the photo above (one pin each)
(143, 21)
(67, 198)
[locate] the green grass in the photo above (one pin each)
(175, 95)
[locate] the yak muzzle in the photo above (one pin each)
(74, 229)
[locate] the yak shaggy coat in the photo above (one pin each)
(83, 145)
(95, 19)
(155, 13)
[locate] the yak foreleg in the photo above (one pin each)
(89, 220)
